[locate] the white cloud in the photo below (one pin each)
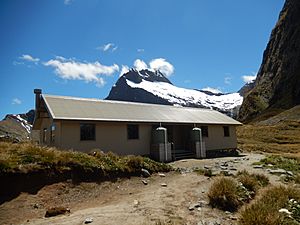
(162, 65)
(109, 46)
(140, 50)
(124, 69)
(140, 64)
(67, 2)
(114, 48)
(16, 101)
(213, 90)
(69, 69)
(227, 80)
(29, 58)
(249, 78)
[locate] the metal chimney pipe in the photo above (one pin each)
(37, 93)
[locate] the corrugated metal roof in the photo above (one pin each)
(70, 108)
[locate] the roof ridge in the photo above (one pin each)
(122, 102)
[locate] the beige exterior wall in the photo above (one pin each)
(216, 139)
(112, 136)
(45, 124)
(109, 137)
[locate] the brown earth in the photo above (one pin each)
(129, 201)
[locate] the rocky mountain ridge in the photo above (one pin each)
(17, 126)
(278, 81)
(153, 87)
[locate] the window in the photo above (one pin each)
(52, 133)
(204, 131)
(87, 132)
(44, 135)
(226, 131)
(132, 131)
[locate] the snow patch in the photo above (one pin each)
(24, 123)
(182, 96)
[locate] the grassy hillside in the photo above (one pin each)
(277, 134)
(27, 157)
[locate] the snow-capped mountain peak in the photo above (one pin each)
(153, 87)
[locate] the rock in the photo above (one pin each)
(194, 206)
(56, 211)
(36, 206)
(191, 208)
(233, 217)
(279, 171)
(145, 173)
(208, 222)
(258, 167)
(88, 220)
(202, 203)
(207, 167)
(136, 203)
(163, 185)
(290, 173)
(233, 169)
(145, 182)
(283, 210)
(223, 167)
(161, 174)
(278, 81)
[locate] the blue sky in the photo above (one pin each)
(79, 47)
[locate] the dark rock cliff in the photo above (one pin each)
(121, 91)
(278, 81)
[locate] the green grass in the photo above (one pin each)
(286, 163)
(27, 157)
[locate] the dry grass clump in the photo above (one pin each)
(252, 182)
(224, 194)
(265, 210)
(28, 157)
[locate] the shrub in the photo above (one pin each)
(224, 194)
(265, 210)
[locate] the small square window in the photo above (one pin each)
(132, 131)
(87, 132)
(226, 131)
(204, 131)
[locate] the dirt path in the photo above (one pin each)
(129, 201)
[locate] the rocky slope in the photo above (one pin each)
(17, 126)
(153, 87)
(278, 81)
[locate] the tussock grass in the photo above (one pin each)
(265, 210)
(252, 182)
(224, 194)
(28, 157)
(229, 194)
